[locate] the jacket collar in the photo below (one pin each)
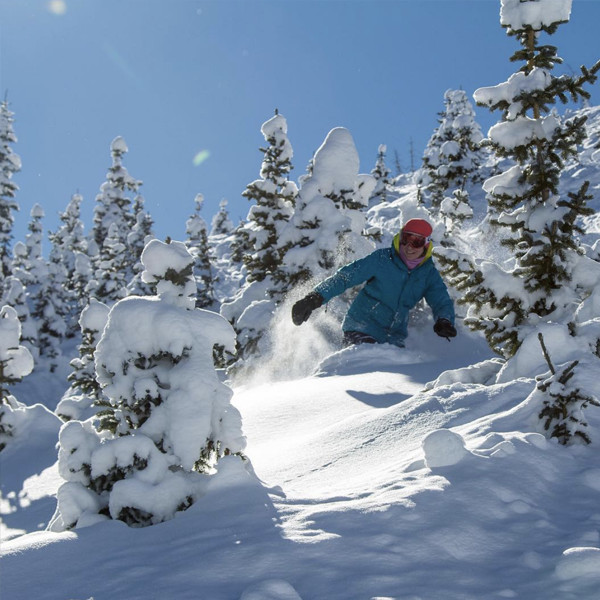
(396, 247)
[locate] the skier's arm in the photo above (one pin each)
(352, 274)
(438, 299)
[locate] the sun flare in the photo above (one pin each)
(57, 7)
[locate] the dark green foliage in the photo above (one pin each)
(6, 429)
(106, 481)
(240, 246)
(127, 414)
(563, 409)
(198, 246)
(560, 409)
(135, 517)
(9, 164)
(211, 453)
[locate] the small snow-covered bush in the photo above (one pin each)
(566, 393)
(166, 418)
(564, 403)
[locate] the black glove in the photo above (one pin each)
(444, 328)
(303, 308)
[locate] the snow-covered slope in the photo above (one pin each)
(363, 482)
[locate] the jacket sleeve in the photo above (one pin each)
(352, 274)
(438, 298)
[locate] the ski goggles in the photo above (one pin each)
(412, 239)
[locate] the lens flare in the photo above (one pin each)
(57, 7)
(201, 157)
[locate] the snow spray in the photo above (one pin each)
(289, 351)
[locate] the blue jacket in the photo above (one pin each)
(382, 306)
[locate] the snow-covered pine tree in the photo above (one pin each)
(168, 418)
(68, 239)
(258, 241)
(42, 290)
(542, 228)
(221, 224)
(84, 393)
(240, 244)
(198, 247)
(142, 231)
(114, 207)
(327, 228)
(110, 279)
(10, 163)
(28, 264)
(453, 154)
(454, 211)
(564, 399)
(274, 196)
(228, 276)
(381, 174)
(51, 326)
(83, 278)
(15, 363)
(137, 239)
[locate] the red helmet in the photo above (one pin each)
(418, 227)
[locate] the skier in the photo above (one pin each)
(397, 278)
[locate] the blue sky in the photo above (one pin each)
(177, 78)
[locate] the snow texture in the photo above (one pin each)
(372, 484)
(517, 14)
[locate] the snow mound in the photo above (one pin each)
(443, 448)
(365, 358)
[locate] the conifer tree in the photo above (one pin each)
(142, 231)
(176, 286)
(114, 207)
(51, 326)
(541, 228)
(564, 399)
(110, 282)
(221, 223)
(29, 264)
(453, 154)
(66, 241)
(83, 279)
(10, 163)
(166, 420)
(137, 239)
(30, 268)
(240, 244)
(381, 174)
(274, 196)
(454, 211)
(197, 244)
